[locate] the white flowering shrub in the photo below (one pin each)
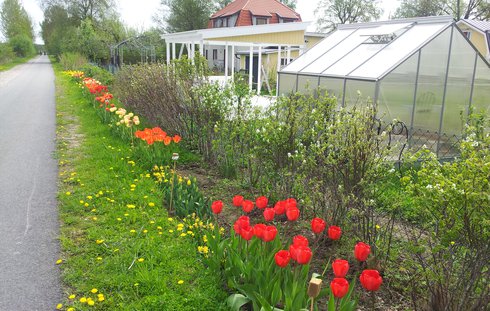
(453, 253)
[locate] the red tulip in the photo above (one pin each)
(371, 280)
(334, 232)
(300, 240)
(361, 251)
(269, 214)
(318, 225)
(269, 233)
(293, 252)
(261, 202)
(259, 230)
(340, 268)
(280, 207)
(242, 221)
(292, 213)
(247, 232)
(291, 202)
(237, 200)
(282, 258)
(303, 254)
(217, 207)
(339, 287)
(247, 206)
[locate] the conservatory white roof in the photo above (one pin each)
(368, 50)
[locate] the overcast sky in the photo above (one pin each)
(138, 13)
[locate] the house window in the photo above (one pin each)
(215, 54)
(206, 53)
(467, 34)
(260, 21)
(286, 20)
(284, 61)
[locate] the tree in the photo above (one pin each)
(14, 20)
(476, 9)
(221, 4)
(332, 12)
(184, 15)
(289, 3)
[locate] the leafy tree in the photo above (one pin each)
(14, 20)
(221, 4)
(184, 15)
(290, 3)
(332, 12)
(477, 9)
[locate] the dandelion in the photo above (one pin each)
(83, 300)
(141, 259)
(68, 193)
(132, 231)
(99, 258)
(180, 282)
(151, 204)
(70, 309)
(99, 241)
(90, 302)
(59, 306)
(59, 261)
(72, 296)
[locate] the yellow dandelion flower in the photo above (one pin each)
(452, 242)
(130, 206)
(132, 231)
(205, 238)
(171, 231)
(183, 234)
(99, 241)
(151, 204)
(83, 300)
(126, 215)
(189, 182)
(159, 228)
(86, 205)
(141, 259)
(59, 306)
(119, 218)
(90, 302)
(145, 231)
(93, 210)
(59, 261)
(170, 219)
(70, 309)
(160, 232)
(101, 298)
(68, 193)
(180, 282)
(94, 290)
(377, 227)
(72, 296)
(94, 218)
(89, 197)
(82, 201)
(99, 258)
(152, 222)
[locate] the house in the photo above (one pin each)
(478, 32)
(421, 71)
(254, 36)
(253, 12)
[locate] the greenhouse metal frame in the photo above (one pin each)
(423, 72)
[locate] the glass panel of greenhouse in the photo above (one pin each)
(422, 72)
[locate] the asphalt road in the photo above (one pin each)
(29, 247)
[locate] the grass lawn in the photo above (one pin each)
(15, 62)
(120, 249)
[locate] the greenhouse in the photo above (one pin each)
(423, 72)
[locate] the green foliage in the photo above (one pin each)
(184, 15)
(100, 74)
(454, 199)
(458, 9)
(6, 53)
(332, 12)
(22, 45)
(14, 20)
(73, 61)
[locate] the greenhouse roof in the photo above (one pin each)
(368, 51)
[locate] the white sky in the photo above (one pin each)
(138, 13)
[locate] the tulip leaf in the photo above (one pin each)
(331, 302)
(236, 301)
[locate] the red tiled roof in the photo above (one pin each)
(258, 8)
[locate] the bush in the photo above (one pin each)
(72, 61)
(100, 74)
(6, 53)
(452, 253)
(162, 94)
(22, 46)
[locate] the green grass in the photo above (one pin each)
(16, 61)
(99, 250)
